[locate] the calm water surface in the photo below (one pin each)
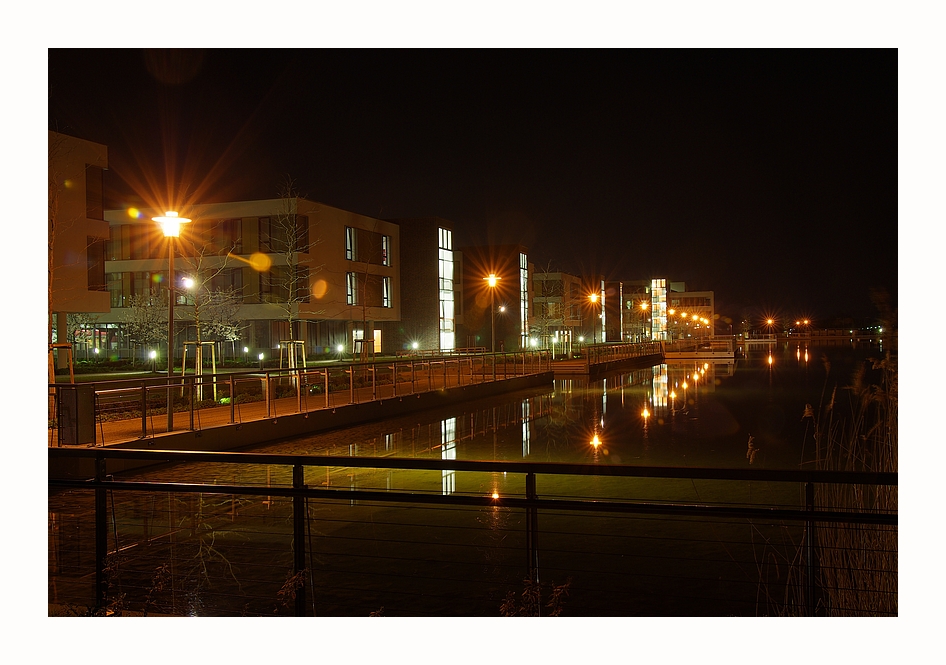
(453, 561)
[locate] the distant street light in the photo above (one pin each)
(594, 329)
(644, 306)
(171, 225)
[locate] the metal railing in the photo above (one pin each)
(406, 551)
(86, 413)
(600, 354)
(709, 344)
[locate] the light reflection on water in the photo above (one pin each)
(694, 418)
(700, 415)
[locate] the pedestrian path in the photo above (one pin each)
(111, 428)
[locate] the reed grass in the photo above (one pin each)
(857, 565)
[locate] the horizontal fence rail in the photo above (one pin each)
(86, 413)
(331, 523)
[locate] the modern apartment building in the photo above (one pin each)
(560, 307)
(429, 287)
(77, 231)
(658, 309)
(300, 271)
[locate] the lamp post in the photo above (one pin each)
(644, 306)
(594, 327)
(170, 223)
(492, 281)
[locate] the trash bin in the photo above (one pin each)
(76, 415)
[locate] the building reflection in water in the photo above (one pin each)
(448, 450)
(526, 427)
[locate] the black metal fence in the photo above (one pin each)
(243, 533)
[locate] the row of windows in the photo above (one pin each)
(447, 303)
(280, 234)
(691, 301)
(274, 286)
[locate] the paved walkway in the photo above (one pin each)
(112, 428)
(115, 400)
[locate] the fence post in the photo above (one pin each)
(326, 388)
(266, 392)
(810, 547)
(232, 399)
(190, 394)
(144, 411)
(101, 535)
(298, 535)
(532, 530)
(299, 378)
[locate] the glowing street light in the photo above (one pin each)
(170, 223)
(492, 280)
(594, 301)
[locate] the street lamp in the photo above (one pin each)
(492, 281)
(594, 327)
(644, 306)
(171, 225)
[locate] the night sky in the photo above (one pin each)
(769, 177)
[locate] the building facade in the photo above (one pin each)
(558, 307)
(430, 298)
(292, 270)
(77, 234)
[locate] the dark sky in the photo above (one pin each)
(769, 177)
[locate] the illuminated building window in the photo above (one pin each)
(524, 300)
(658, 306)
(447, 315)
(352, 288)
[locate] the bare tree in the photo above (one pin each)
(551, 305)
(286, 236)
(145, 320)
(213, 290)
(56, 147)
(77, 323)
(220, 320)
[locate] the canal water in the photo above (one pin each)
(230, 555)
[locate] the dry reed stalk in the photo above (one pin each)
(856, 564)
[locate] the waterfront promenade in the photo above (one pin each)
(131, 412)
